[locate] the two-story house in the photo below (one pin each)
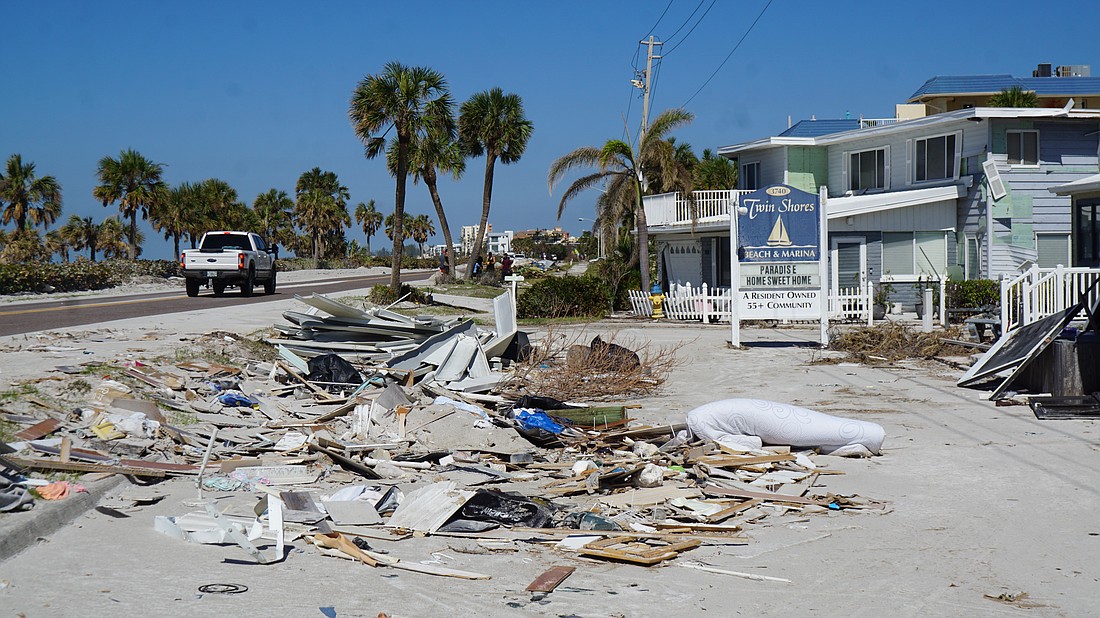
(908, 197)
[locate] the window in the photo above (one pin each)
(935, 158)
(1052, 249)
(1023, 147)
(912, 254)
(1086, 234)
(867, 170)
(750, 176)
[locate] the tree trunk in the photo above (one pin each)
(487, 196)
(429, 180)
(176, 244)
(133, 234)
(643, 240)
(399, 210)
(368, 244)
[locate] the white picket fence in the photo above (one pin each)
(690, 303)
(1040, 292)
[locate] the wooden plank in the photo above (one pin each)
(733, 461)
(38, 430)
(76, 466)
(731, 511)
(633, 549)
(665, 536)
(346, 463)
(761, 495)
(648, 496)
(66, 448)
(550, 579)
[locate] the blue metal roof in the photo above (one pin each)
(817, 128)
(954, 84)
(1062, 85)
(963, 84)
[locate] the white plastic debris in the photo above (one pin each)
(752, 422)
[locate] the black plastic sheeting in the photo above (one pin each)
(496, 508)
(332, 368)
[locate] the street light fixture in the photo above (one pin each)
(599, 234)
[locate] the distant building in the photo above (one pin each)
(500, 242)
(434, 250)
(468, 237)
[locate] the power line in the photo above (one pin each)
(728, 56)
(680, 42)
(685, 21)
(667, 6)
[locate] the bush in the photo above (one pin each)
(619, 279)
(383, 295)
(80, 275)
(561, 297)
(973, 293)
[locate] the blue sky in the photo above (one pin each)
(255, 93)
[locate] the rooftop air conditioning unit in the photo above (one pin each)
(1074, 70)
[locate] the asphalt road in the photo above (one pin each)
(19, 318)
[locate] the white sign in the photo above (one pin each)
(789, 275)
(779, 304)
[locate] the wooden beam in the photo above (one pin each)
(76, 466)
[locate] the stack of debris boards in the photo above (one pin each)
(456, 351)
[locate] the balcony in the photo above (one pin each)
(867, 123)
(671, 209)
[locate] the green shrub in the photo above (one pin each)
(383, 295)
(80, 275)
(561, 297)
(973, 293)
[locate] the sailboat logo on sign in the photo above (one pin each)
(779, 224)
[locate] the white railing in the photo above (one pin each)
(674, 209)
(1040, 292)
(866, 123)
(855, 303)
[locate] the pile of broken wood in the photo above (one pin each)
(414, 446)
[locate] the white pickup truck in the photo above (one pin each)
(223, 258)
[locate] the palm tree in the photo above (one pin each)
(625, 171)
(321, 209)
(273, 211)
(492, 123)
(135, 183)
(113, 239)
(436, 150)
(391, 227)
(24, 246)
(421, 229)
(171, 214)
(57, 244)
(368, 216)
(1014, 97)
(26, 198)
(714, 173)
(408, 100)
(83, 233)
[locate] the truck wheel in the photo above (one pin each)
(269, 285)
(219, 288)
(193, 287)
(249, 282)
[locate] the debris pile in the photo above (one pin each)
(374, 427)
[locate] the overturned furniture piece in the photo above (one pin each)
(750, 423)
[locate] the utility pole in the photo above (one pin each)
(645, 85)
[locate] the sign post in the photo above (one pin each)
(777, 264)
